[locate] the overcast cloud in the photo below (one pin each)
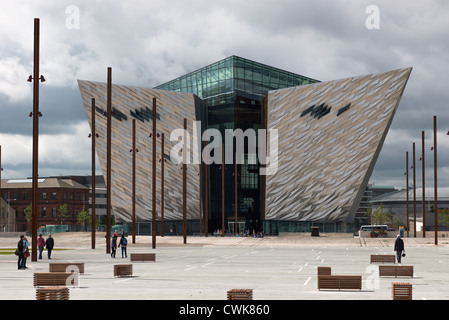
(150, 42)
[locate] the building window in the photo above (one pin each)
(53, 196)
(44, 196)
(44, 212)
(54, 212)
(24, 196)
(65, 195)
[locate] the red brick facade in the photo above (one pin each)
(52, 194)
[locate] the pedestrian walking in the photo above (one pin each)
(19, 253)
(399, 248)
(49, 244)
(123, 243)
(113, 246)
(40, 245)
(26, 253)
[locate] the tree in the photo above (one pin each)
(63, 213)
(379, 215)
(29, 212)
(443, 216)
(83, 217)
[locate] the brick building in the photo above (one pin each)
(52, 194)
(7, 216)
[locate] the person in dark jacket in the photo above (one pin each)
(20, 251)
(114, 246)
(49, 244)
(399, 247)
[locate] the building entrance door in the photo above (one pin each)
(240, 226)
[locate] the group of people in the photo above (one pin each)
(123, 243)
(23, 251)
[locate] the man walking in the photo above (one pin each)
(49, 244)
(399, 247)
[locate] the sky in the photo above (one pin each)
(148, 42)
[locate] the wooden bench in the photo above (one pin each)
(55, 279)
(123, 270)
(401, 291)
(52, 293)
(324, 271)
(384, 258)
(240, 294)
(62, 266)
(143, 257)
(339, 282)
(395, 271)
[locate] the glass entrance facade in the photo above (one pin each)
(234, 89)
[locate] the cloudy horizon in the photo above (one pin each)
(150, 42)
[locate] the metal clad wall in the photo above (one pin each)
(172, 108)
(327, 153)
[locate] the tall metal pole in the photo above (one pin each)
(235, 193)
(1, 176)
(414, 192)
(201, 193)
(184, 184)
(206, 195)
(406, 174)
(423, 187)
(153, 232)
(162, 182)
(93, 175)
(134, 150)
(35, 141)
(222, 191)
(435, 190)
(108, 161)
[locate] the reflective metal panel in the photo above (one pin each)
(137, 103)
(330, 135)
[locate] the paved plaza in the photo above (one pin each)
(276, 268)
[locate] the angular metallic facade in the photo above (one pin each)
(330, 135)
(137, 103)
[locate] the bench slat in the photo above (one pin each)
(395, 271)
(339, 282)
(54, 279)
(401, 291)
(62, 266)
(384, 258)
(143, 257)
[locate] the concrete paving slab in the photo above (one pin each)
(276, 268)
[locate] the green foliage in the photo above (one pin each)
(379, 215)
(63, 212)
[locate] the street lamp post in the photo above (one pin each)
(35, 114)
(93, 135)
(162, 182)
(414, 193)
(134, 150)
(206, 194)
(184, 184)
(108, 161)
(423, 187)
(407, 196)
(435, 177)
(153, 232)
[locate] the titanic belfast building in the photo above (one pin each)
(306, 151)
